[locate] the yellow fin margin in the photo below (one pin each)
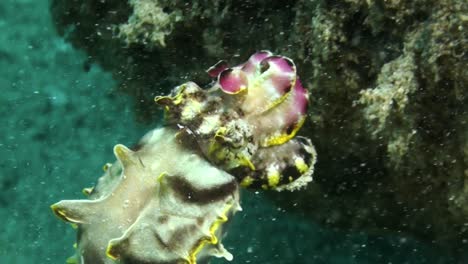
(222, 218)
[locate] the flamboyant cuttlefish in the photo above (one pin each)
(165, 201)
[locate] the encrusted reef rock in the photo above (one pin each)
(166, 200)
(388, 81)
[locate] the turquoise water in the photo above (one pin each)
(59, 124)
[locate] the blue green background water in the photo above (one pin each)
(58, 126)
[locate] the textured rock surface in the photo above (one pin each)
(388, 91)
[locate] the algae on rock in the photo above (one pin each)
(148, 25)
(385, 105)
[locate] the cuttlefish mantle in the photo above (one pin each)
(160, 204)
